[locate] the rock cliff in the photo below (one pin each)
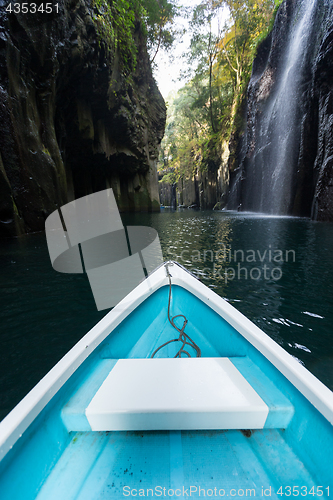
(71, 122)
(285, 162)
(205, 189)
(200, 191)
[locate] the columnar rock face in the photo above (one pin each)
(71, 122)
(205, 190)
(201, 191)
(285, 162)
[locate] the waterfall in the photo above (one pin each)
(268, 172)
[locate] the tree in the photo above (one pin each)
(204, 50)
(159, 18)
(115, 21)
(184, 131)
(248, 20)
(229, 49)
(202, 117)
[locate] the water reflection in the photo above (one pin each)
(43, 313)
(279, 306)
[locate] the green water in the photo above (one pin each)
(277, 271)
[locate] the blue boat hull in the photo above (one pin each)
(58, 456)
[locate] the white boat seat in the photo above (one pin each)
(173, 394)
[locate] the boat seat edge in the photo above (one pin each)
(278, 415)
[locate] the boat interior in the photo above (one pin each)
(286, 444)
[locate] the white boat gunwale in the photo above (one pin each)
(19, 419)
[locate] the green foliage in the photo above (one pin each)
(211, 154)
(206, 111)
(188, 124)
(169, 178)
(269, 28)
(159, 18)
(115, 22)
(223, 56)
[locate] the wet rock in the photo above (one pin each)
(307, 174)
(71, 122)
(207, 186)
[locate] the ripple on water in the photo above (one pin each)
(313, 315)
(44, 313)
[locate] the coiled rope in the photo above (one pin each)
(183, 337)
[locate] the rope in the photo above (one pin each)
(183, 337)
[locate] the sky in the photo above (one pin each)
(168, 72)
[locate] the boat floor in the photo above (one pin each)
(103, 465)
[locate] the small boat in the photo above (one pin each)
(173, 393)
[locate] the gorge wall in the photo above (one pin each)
(71, 122)
(285, 156)
(205, 190)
